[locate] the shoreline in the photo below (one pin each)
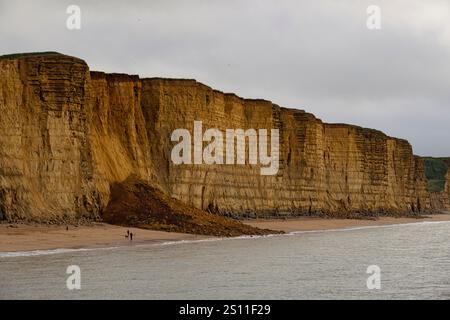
(34, 237)
(23, 237)
(318, 224)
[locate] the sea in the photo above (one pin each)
(405, 261)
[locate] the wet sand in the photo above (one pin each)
(309, 224)
(20, 237)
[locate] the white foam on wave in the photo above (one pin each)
(15, 254)
(247, 237)
(38, 252)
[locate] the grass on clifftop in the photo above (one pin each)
(435, 171)
(27, 54)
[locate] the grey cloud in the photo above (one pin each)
(314, 55)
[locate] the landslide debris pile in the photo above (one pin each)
(135, 203)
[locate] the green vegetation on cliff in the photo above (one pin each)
(28, 54)
(435, 171)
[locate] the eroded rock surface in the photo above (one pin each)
(67, 135)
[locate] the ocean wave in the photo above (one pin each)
(15, 254)
(213, 239)
(38, 252)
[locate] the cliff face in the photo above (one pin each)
(446, 193)
(118, 132)
(46, 167)
(67, 135)
(323, 167)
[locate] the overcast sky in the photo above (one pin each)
(316, 55)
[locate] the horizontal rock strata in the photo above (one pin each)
(67, 135)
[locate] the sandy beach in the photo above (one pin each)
(21, 237)
(309, 224)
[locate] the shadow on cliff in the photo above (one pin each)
(135, 203)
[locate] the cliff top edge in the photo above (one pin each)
(43, 54)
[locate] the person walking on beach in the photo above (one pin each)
(131, 236)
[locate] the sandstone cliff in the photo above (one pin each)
(67, 135)
(46, 165)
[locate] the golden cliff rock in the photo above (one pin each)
(67, 135)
